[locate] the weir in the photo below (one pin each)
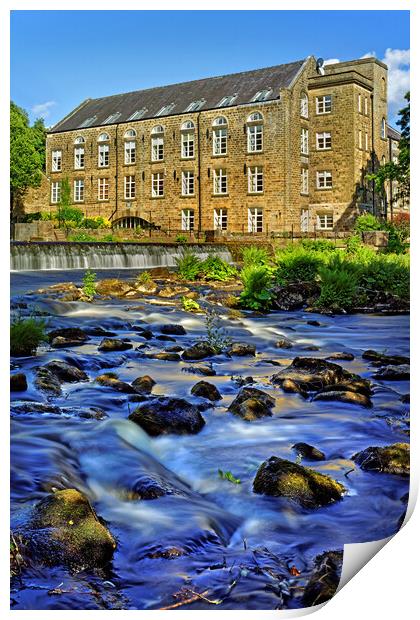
(72, 255)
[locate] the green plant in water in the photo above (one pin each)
(89, 284)
(189, 305)
(188, 266)
(254, 255)
(227, 475)
(144, 277)
(257, 281)
(215, 268)
(26, 335)
(216, 335)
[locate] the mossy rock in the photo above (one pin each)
(198, 351)
(114, 344)
(306, 451)
(18, 382)
(47, 381)
(165, 415)
(143, 385)
(65, 372)
(325, 578)
(393, 459)
(344, 396)
(65, 529)
(283, 478)
(251, 404)
(206, 390)
(108, 380)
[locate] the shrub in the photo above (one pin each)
(109, 238)
(81, 237)
(257, 281)
(214, 268)
(255, 256)
(216, 334)
(295, 264)
(318, 245)
(338, 280)
(89, 283)
(188, 266)
(367, 222)
(26, 335)
(353, 244)
(72, 216)
(189, 305)
(389, 273)
(181, 239)
(95, 222)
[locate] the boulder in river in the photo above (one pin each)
(380, 359)
(173, 291)
(198, 351)
(344, 396)
(114, 344)
(324, 580)
(204, 369)
(18, 382)
(345, 356)
(293, 296)
(66, 372)
(206, 390)
(111, 380)
(284, 343)
(147, 288)
(166, 415)
(143, 385)
(113, 287)
(67, 337)
(393, 459)
(165, 356)
(47, 381)
(292, 387)
(283, 478)
(172, 329)
(306, 451)
(314, 374)
(64, 529)
(241, 349)
(251, 404)
(393, 373)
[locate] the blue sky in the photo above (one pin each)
(60, 58)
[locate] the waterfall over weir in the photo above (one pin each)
(71, 255)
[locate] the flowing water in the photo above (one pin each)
(235, 545)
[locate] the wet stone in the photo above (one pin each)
(206, 390)
(206, 370)
(172, 330)
(143, 385)
(241, 349)
(284, 343)
(47, 381)
(144, 332)
(176, 348)
(114, 344)
(345, 356)
(380, 359)
(18, 382)
(198, 351)
(165, 415)
(306, 451)
(393, 373)
(393, 459)
(251, 404)
(324, 580)
(164, 338)
(292, 387)
(66, 372)
(165, 356)
(67, 337)
(282, 478)
(352, 398)
(110, 380)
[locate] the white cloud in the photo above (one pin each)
(331, 61)
(398, 62)
(43, 109)
(369, 55)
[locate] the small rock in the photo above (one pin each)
(293, 296)
(173, 291)
(66, 372)
(143, 385)
(206, 370)
(206, 390)
(172, 330)
(393, 373)
(241, 349)
(47, 381)
(198, 351)
(147, 288)
(164, 338)
(113, 287)
(18, 382)
(385, 360)
(314, 323)
(405, 398)
(251, 404)
(310, 489)
(148, 487)
(284, 343)
(165, 415)
(144, 332)
(343, 355)
(240, 381)
(325, 578)
(99, 331)
(309, 452)
(352, 398)
(163, 355)
(176, 348)
(67, 337)
(109, 380)
(168, 553)
(114, 344)
(393, 459)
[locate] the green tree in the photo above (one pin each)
(27, 156)
(400, 170)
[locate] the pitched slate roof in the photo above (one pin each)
(245, 85)
(393, 133)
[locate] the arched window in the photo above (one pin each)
(383, 129)
(187, 140)
(157, 143)
(130, 133)
(255, 132)
(187, 125)
(79, 140)
(104, 137)
(304, 105)
(220, 136)
(219, 121)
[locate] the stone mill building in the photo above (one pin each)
(255, 152)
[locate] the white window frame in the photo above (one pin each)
(220, 182)
(220, 135)
(188, 183)
(323, 141)
(360, 139)
(255, 138)
(187, 144)
(103, 155)
(304, 141)
(56, 160)
(304, 181)
(129, 187)
(261, 95)
(324, 104)
(220, 219)
(55, 192)
(304, 105)
(324, 221)
(383, 128)
(166, 109)
(359, 103)
(79, 157)
(324, 179)
(130, 152)
(255, 219)
(366, 141)
(157, 147)
(255, 180)
(366, 107)
(157, 184)
(79, 190)
(187, 219)
(227, 101)
(103, 188)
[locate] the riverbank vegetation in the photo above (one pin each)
(26, 335)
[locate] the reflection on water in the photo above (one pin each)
(224, 533)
